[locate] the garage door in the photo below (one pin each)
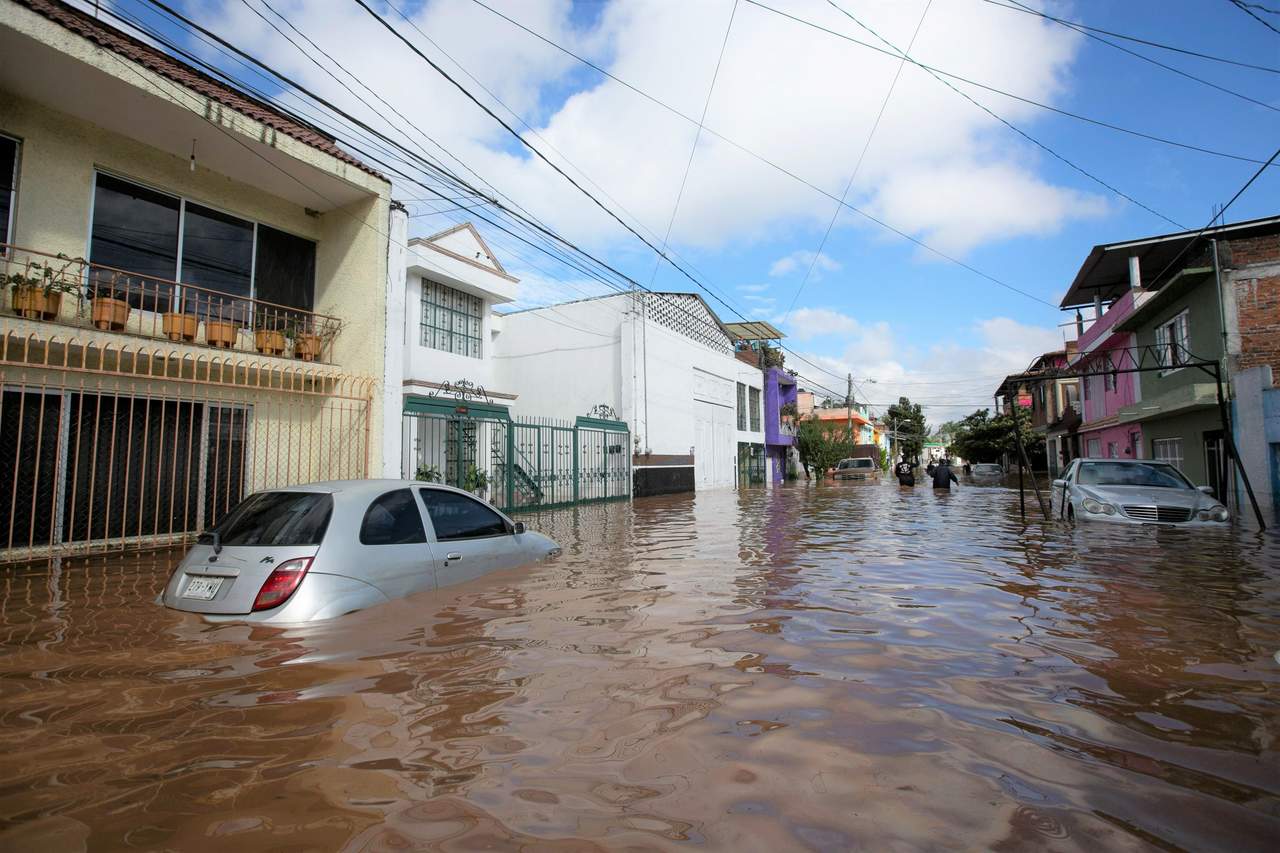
(713, 445)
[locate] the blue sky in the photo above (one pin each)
(937, 167)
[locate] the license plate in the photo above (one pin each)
(202, 588)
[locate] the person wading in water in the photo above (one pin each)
(943, 476)
(906, 472)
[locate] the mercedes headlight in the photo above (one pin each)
(1219, 513)
(1091, 505)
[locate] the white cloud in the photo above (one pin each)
(753, 288)
(938, 167)
(805, 324)
(801, 260)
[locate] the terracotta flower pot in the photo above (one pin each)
(34, 304)
(306, 347)
(220, 333)
(180, 327)
(110, 313)
(268, 342)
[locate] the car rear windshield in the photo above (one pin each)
(856, 463)
(276, 518)
(1131, 474)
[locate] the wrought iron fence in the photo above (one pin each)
(112, 447)
(520, 464)
(75, 292)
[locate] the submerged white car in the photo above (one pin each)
(321, 550)
(1134, 491)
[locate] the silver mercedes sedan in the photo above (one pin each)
(1134, 491)
(318, 551)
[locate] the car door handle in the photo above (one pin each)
(452, 555)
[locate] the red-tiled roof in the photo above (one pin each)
(161, 63)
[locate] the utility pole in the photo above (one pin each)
(848, 407)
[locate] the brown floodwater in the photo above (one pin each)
(813, 667)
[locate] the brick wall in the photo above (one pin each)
(1257, 299)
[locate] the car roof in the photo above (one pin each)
(1124, 461)
(362, 488)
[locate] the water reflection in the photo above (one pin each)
(814, 666)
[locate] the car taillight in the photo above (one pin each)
(282, 583)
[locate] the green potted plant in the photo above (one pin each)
(306, 343)
(475, 480)
(37, 291)
(427, 474)
(268, 337)
(788, 410)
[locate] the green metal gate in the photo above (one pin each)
(525, 464)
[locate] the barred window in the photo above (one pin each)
(755, 409)
(451, 319)
(742, 406)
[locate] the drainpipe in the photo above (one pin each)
(1135, 273)
(1223, 469)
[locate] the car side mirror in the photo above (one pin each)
(1208, 490)
(518, 528)
(1059, 484)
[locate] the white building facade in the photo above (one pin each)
(662, 362)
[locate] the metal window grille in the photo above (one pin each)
(742, 406)
(451, 319)
(108, 447)
(1168, 450)
(754, 394)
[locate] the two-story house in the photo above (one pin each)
(1171, 301)
(195, 291)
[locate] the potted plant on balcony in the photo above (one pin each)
(787, 411)
(427, 474)
(220, 332)
(180, 324)
(110, 313)
(268, 338)
(37, 291)
(307, 344)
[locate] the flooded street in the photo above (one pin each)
(829, 668)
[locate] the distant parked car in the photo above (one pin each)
(314, 552)
(1134, 491)
(986, 471)
(857, 469)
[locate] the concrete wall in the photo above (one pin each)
(433, 365)
(1256, 430)
(1205, 338)
(1190, 427)
(677, 395)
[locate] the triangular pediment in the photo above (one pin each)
(465, 241)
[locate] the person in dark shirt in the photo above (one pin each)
(931, 468)
(943, 476)
(906, 472)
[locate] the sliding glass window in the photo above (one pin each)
(8, 189)
(155, 239)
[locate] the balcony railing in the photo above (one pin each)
(786, 427)
(74, 292)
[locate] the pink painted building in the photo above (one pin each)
(1102, 434)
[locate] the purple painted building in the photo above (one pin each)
(755, 343)
(779, 430)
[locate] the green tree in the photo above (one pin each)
(983, 438)
(906, 419)
(821, 445)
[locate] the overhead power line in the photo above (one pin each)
(1030, 101)
(1073, 26)
(888, 95)
(1248, 8)
(1137, 40)
(906, 57)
